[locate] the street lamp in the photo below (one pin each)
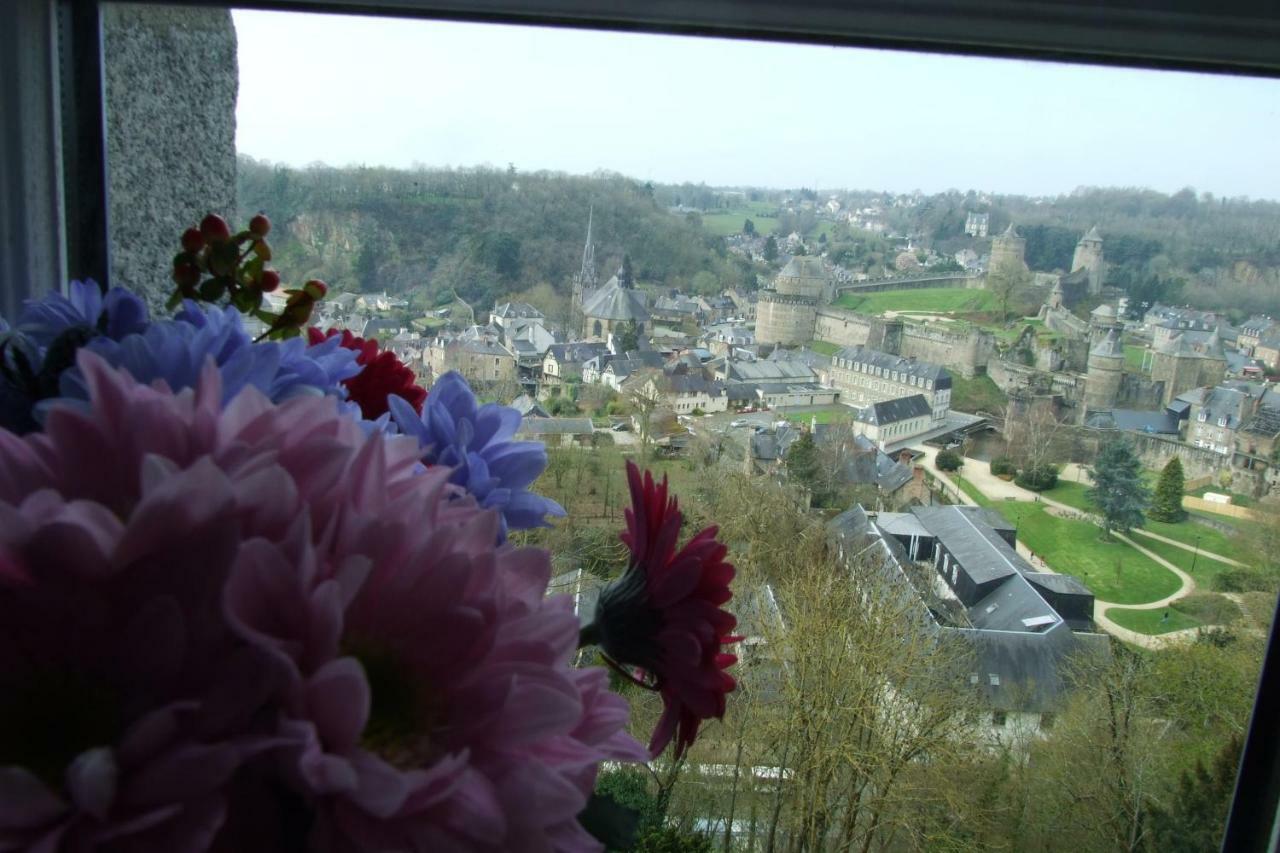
(1195, 553)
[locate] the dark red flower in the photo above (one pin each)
(664, 616)
(383, 374)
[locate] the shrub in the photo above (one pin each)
(1038, 478)
(1003, 467)
(1210, 608)
(1243, 579)
(949, 460)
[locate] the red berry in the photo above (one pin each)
(215, 229)
(315, 288)
(192, 240)
(260, 225)
(270, 281)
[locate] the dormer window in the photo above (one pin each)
(1222, 421)
(1204, 416)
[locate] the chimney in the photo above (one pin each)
(904, 456)
(917, 473)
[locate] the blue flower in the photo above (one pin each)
(477, 441)
(117, 314)
(175, 351)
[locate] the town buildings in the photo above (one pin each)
(865, 376)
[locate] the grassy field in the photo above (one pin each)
(824, 348)
(939, 300)
(1071, 494)
(824, 416)
(971, 490)
(979, 394)
(1199, 535)
(1202, 568)
(1133, 357)
(1152, 621)
(724, 224)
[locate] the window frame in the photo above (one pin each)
(53, 167)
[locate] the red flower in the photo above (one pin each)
(383, 374)
(663, 615)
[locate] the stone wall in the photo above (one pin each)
(966, 353)
(171, 82)
(850, 329)
(1156, 451)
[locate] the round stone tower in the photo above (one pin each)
(1008, 249)
(1105, 373)
(787, 312)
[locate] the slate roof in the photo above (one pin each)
(874, 358)
(804, 266)
(809, 358)
(983, 553)
(1092, 234)
(1164, 422)
(892, 411)
(529, 407)
(1014, 668)
(616, 302)
(577, 352)
(769, 371)
(517, 309)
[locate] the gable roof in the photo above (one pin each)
(615, 302)
(893, 411)
(874, 358)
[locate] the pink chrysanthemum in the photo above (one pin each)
(664, 616)
(267, 582)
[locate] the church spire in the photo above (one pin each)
(587, 275)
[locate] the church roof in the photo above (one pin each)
(1092, 235)
(616, 302)
(1109, 347)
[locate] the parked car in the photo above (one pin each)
(738, 423)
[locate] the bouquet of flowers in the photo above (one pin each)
(258, 594)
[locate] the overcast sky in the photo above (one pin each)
(348, 90)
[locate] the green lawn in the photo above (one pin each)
(824, 416)
(1133, 356)
(941, 300)
(1152, 621)
(724, 224)
(971, 490)
(1071, 494)
(824, 348)
(1199, 535)
(1204, 568)
(979, 394)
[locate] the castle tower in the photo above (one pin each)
(787, 312)
(1008, 249)
(1105, 373)
(1182, 365)
(1088, 256)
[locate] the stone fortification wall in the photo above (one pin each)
(1156, 451)
(1138, 392)
(171, 81)
(1019, 380)
(785, 320)
(1063, 322)
(851, 329)
(967, 280)
(966, 353)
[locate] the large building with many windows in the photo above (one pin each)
(866, 376)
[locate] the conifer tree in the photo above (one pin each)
(1118, 490)
(1166, 504)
